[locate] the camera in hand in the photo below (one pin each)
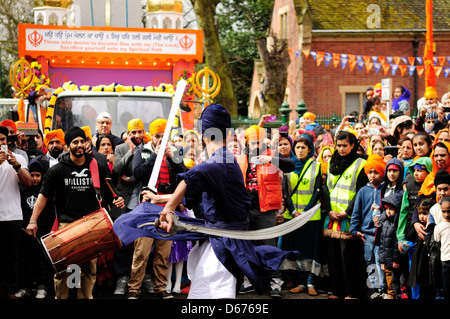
(391, 150)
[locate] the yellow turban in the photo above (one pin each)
(157, 126)
(135, 124)
(254, 132)
(58, 134)
(309, 115)
(87, 131)
(430, 93)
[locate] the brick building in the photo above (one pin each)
(361, 29)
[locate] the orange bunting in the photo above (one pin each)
(319, 57)
(420, 69)
(386, 68)
(397, 60)
(369, 66)
(411, 60)
(441, 60)
(305, 53)
(382, 59)
(403, 69)
(438, 70)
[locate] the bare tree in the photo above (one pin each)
(276, 61)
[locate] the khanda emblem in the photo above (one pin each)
(31, 201)
(305, 181)
(186, 42)
(347, 176)
(35, 38)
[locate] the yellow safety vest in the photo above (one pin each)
(305, 189)
(342, 190)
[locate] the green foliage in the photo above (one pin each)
(240, 23)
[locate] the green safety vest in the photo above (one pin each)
(305, 189)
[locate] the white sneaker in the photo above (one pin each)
(22, 293)
(41, 294)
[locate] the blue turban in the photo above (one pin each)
(216, 117)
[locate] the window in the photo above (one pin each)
(352, 98)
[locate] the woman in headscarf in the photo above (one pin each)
(401, 98)
(345, 177)
(304, 186)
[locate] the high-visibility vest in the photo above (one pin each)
(305, 190)
(342, 190)
(269, 182)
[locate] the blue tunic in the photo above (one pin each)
(218, 183)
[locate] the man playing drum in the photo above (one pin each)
(70, 181)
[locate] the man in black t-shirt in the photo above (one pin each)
(75, 196)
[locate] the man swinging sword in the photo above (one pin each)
(216, 265)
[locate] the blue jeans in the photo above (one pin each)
(376, 278)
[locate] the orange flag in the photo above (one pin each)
(411, 60)
(430, 74)
(438, 70)
(441, 60)
(319, 57)
(369, 66)
(397, 60)
(386, 67)
(420, 69)
(403, 68)
(306, 53)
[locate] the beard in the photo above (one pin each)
(55, 152)
(74, 151)
(136, 141)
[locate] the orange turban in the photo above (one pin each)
(58, 134)
(376, 162)
(430, 93)
(157, 126)
(309, 115)
(254, 132)
(87, 131)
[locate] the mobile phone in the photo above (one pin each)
(256, 161)
(373, 131)
(352, 119)
(271, 119)
(391, 150)
(4, 148)
(446, 109)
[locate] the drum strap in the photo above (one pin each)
(93, 167)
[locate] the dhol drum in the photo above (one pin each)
(80, 241)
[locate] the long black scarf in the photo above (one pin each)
(338, 164)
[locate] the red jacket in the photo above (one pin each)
(269, 182)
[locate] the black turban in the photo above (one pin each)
(442, 177)
(73, 133)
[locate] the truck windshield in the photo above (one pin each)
(82, 111)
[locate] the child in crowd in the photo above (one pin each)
(362, 226)
(34, 265)
(389, 253)
(419, 274)
(442, 235)
(422, 144)
(393, 177)
(417, 172)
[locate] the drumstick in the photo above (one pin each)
(107, 179)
